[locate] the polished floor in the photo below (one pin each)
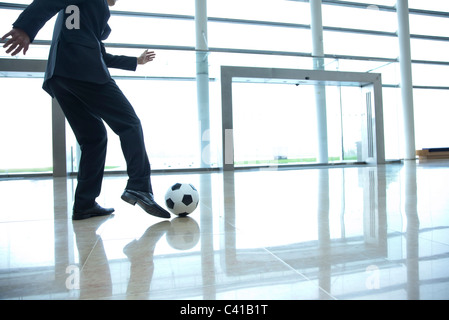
(362, 232)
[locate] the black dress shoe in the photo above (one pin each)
(95, 211)
(146, 201)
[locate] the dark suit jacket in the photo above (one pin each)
(75, 53)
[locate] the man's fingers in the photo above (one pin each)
(14, 49)
(19, 41)
(7, 35)
(12, 43)
(151, 55)
(16, 46)
(9, 42)
(146, 56)
(11, 46)
(17, 51)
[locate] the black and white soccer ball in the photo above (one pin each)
(182, 199)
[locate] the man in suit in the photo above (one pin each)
(77, 76)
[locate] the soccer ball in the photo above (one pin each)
(182, 199)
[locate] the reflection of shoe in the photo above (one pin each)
(146, 201)
(95, 211)
(156, 231)
(147, 242)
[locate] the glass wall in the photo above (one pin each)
(25, 127)
(358, 36)
(430, 51)
(169, 116)
(276, 123)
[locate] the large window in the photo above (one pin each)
(25, 127)
(148, 30)
(169, 116)
(276, 123)
(431, 114)
(358, 36)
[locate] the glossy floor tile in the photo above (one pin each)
(361, 232)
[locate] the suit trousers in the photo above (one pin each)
(86, 105)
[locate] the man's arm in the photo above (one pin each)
(125, 62)
(118, 62)
(30, 21)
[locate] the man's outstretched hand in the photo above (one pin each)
(19, 41)
(146, 56)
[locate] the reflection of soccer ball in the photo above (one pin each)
(183, 234)
(182, 199)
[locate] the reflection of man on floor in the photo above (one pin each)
(95, 275)
(140, 254)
